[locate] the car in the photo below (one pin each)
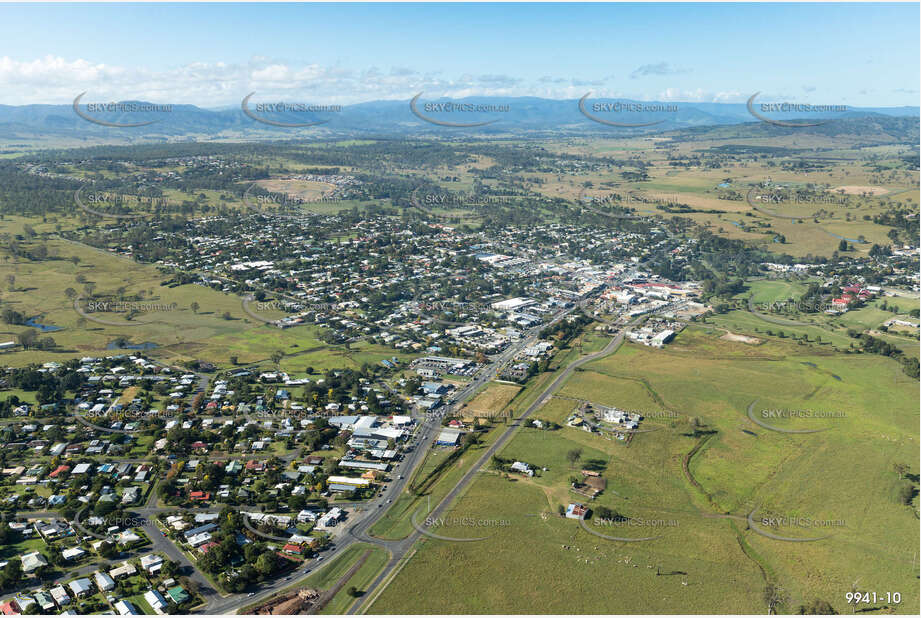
(250, 594)
(319, 558)
(389, 500)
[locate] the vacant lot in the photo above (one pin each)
(492, 400)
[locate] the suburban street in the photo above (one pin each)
(360, 521)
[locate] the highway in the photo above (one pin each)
(365, 515)
(465, 481)
(360, 521)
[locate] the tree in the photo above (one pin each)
(817, 606)
(774, 596)
(842, 246)
(194, 307)
(265, 563)
(28, 338)
(906, 494)
(573, 456)
(276, 357)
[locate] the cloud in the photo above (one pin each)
(661, 68)
(499, 80)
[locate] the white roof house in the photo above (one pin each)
(151, 563)
(103, 581)
(81, 587)
(32, 561)
(72, 553)
(156, 600)
(60, 596)
(125, 608)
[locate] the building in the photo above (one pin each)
(513, 304)
(178, 594)
(103, 581)
(156, 601)
(72, 553)
(125, 608)
(152, 563)
(576, 511)
(81, 587)
(331, 518)
(45, 602)
(347, 483)
(448, 438)
(32, 561)
(364, 465)
(662, 338)
(517, 372)
(520, 466)
(60, 596)
(125, 570)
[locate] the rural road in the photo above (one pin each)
(404, 545)
(358, 530)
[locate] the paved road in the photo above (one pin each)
(215, 603)
(400, 551)
(357, 531)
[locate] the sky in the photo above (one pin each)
(212, 55)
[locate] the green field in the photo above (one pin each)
(843, 475)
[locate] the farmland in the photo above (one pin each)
(740, 468)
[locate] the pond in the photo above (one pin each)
(45, 328)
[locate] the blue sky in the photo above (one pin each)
(213, 54)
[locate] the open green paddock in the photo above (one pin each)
(843, 475)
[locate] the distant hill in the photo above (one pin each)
(525, 116)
